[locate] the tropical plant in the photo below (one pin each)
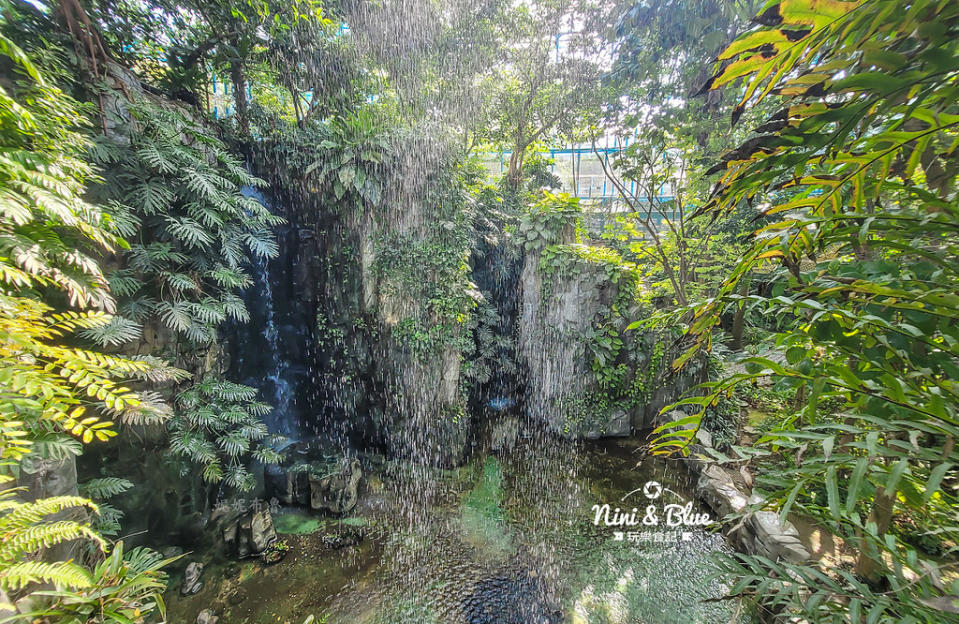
(175, 191)
(123, 588)
(551, 220)
(217, 425)
(347, 157)
(46, 235)
(657, 180)
(857, 173)
(236, 38)
(48, 388)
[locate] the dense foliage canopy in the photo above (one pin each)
(803, 258)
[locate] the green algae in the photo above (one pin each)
(297, 523)
(482, 511)
(306, 523)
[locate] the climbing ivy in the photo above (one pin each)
(552, 219)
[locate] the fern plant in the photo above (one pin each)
(217, 425)
(28, 529)
(48, 388)
(107, 520)
(123, 589)
(175, 190)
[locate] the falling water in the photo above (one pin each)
(456, 532)
(271, 366)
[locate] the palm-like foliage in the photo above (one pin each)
(48, 388)
(857, 173)
(176, 190)
(218, 426)
(123, 589)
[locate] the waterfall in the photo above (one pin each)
(496, 274)
(276, 374)
(261, 359)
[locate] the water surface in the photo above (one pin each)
(505, 539)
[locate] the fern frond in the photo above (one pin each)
(17, 576)
(151, 196)
(124, 284)
(261, 244)
(29, 540)
(105, 487)
(23, 515)
(235, 308)
(118, 331)
(55, 446)
(175, 315)
(151, 154)
(189, 232)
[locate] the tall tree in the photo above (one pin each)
(540, 86)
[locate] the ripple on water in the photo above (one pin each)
(506, 540)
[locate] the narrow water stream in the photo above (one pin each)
(505, 539)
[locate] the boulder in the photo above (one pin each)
(245, 532)
(287, 486)
(775, 539)
(336, 492)
(255, 532)
(169, 552)
(47, 478)
(718, 490)
(617, 425)
(348, 536)
(207, 616)
(704, 437)
(191, 579)
(762, 532)
(504, 434)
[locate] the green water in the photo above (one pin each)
(436, 538)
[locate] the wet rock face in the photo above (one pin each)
(337, 493)
(191, 579)
(508, 600)
(245, 533)
(551, 319)
(504, 434)
(287, 486)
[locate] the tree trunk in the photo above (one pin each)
(513, 175)
(739, 320)
(239, 96)
(869, 564)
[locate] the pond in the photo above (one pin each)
(505, 539)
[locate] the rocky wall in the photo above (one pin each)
(587, 374)
(553, 318)
(389, 351)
